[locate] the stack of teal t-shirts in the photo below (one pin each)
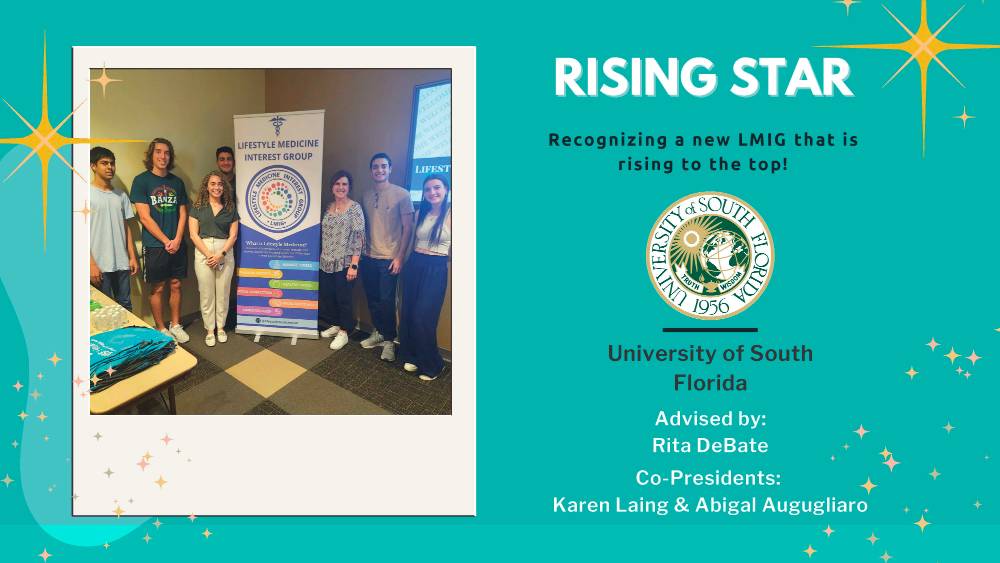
(121, 353)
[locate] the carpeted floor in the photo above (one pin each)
(274, 377)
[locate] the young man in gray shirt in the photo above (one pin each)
(112, 254)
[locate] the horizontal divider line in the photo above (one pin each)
(709, 329)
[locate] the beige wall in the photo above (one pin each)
(192, 108)
(367, 111)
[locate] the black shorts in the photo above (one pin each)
(158, 265)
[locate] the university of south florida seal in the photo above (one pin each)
(710, 255)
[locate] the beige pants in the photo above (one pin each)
(213, 285)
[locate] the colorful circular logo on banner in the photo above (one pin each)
(278, 198)
(710, 255)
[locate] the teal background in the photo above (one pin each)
(877, 250)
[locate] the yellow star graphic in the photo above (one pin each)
(885, 453)
(206, 533)
(965, 117)
(45, 554)
(922, 523)
(118, 511)
(924, 47)
(809, 551)
(868, 485)
(911, 372)
(54, 359)
(952, 355)
(45, 141)
(42, 416)
(22, 415)
(847, 4)
(104, 80)
(161, 481)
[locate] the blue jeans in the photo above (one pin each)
(380, 290)
(118, 286)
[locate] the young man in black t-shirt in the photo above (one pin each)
(161, 202)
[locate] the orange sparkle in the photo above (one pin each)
(891, 462)
(847, 4)
(973, 357)
(965, 117)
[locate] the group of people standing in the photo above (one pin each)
(372, 239)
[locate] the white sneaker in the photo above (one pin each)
(179, 334)
(425, 377)
(330, 332)
(389, 352)
(372, 341)
(222, 336)
(409, 367)
(209, 340)
(166, 332)
(339, 341)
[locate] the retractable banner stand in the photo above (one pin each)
(279, 160)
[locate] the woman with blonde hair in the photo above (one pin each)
(213, 225)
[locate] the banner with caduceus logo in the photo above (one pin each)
(279, 161)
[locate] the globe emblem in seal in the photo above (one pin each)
(278, 198)
(710, 255)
